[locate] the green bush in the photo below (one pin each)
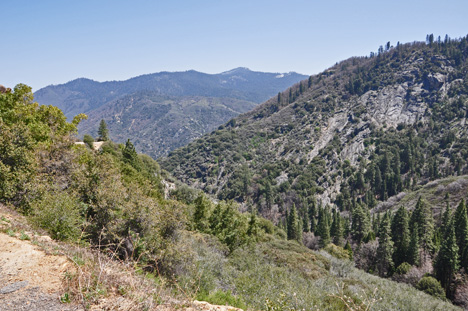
(88, 140)
(58, 213)
(403, 268)
(431, 286)
(337, 251)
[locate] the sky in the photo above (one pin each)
(52, 42)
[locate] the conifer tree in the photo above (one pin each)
(422, 216)
(130, 155)
(312, 215)
(447, 260)
(305, 223)
(385, 248)
(360, 225)
(461, 233)
(103, 132)
(323, 228)
(413, 250)
(400, 236)
(336, 230)
(293, 226)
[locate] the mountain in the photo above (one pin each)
(163, 111)
(84, 95)
(365, 129)
(371, 154)
(126, 245)
(158, 124)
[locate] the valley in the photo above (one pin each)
(343, 190)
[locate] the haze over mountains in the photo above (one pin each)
(174, 107)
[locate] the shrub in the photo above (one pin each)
(337, 251)
(58, 213)
(403, 268)
(431, 286)
(88, 140)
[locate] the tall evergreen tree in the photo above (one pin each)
(422, 215)
(103, 132)
(413, 249)
(312, 216)
(336, 230)
(461, 233)
(130, 155)
(447, 261)
(323, 228)
(293, 226)
(360, 225)
(385, 248)
(400, 236)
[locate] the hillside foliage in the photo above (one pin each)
(114, 200)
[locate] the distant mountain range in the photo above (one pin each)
(175, 107)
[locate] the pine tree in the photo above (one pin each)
(130, 155)
(360, 225)
(413, 249)
(447, 261)
(323, 228)
(103, 132)
(400, 236)
(385, 248)
(461, 233)
(312, 216)
(336, 230)
(305, 223)
(422, 216)
(293, 226)
(309, 82)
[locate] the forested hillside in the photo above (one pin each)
(163, 111)
(159, 124)
(322, 158)
(113, 201)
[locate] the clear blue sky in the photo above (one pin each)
(51, 42)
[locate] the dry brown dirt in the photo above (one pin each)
(30, 279)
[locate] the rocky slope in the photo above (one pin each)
(402, 112)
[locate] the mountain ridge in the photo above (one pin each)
(337, 115)
(72, 99)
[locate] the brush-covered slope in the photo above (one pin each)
(367, 129)
(84, 95)
(113, 202)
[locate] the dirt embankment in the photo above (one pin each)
(30, 279)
